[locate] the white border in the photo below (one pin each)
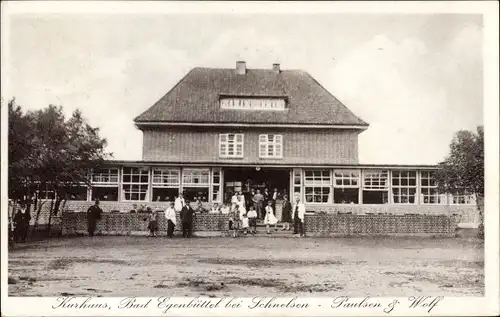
(488, 305)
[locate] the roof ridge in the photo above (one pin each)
(268, 69)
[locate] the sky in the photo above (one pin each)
(416, 79)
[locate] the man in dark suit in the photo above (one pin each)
(187, 214)
(286, 213)
(22, 223)
(93, 214)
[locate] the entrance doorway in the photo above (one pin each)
(246, 179)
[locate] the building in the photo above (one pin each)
(223, 130)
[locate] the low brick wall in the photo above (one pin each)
(345, 225)
(75, 223)
(316, 225)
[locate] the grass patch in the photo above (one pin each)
(27, 278)
(445, 280)
(285, 286)
(191, 283)
(257, 282)
(161, 286)
(256, 263)
(64, 263)
(311, 288)
(201, 284)
(11, 280)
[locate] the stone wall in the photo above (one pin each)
(75, 223)
(358, 218)
(345, 225)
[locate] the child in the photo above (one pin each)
(270, 219)
(215, 209)
(153, 223)
(225, 209)
(252, 219)
(244, 223)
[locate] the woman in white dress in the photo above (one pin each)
(234, 201)
(270, 219)
(241, 207)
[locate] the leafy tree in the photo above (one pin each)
(46, 149)
(462, 172)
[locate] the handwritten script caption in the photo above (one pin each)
(169, 305)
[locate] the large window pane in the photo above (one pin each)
(404, 187)
(135, 183)
(105, 193)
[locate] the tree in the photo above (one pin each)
(462, 172)
(48, 150)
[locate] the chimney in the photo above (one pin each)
(276, 68)
(241, 67)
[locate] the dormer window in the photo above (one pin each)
(252, 103)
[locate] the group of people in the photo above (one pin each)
(248, 219)
(240, 218)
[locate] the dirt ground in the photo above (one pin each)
(215, 267)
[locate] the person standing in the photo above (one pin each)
(153, 223)
(257, 200)
(22, 223)
(249, 200)
(241, 205)
(286, 214)
(242, 199)
(274, 198)
(270, 219)
(298, 217)
(93, 214)
(266, 195)
(252, 219)
(171, 220)
(187, 214)
(234, 201)
(180, 202)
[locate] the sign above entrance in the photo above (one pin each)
(253, 103)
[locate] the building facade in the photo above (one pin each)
(224, 130)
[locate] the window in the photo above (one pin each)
(231, 145)
(428, 189)
(135, 182)
(77, 192)
(346, 186)
(375, 187)
(46, 191)
(105, 176)
(317, 186)
(216, 181)
(165, 183)
(271, 145)
(195, 184)
(105, 184)
(253, 103)
(404, 187)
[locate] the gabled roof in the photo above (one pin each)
(195, 99)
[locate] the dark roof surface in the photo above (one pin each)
(195, 99)
(272, 165)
